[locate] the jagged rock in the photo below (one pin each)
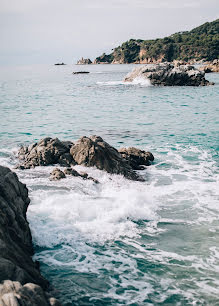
(84, 61)
(91, 152)
(136, 158)
(95, 152)
(56, 175)
(14, 294)
(16, 248)
(84, 175)
(70, 171)
(66, 160)
(167, 74)
(46, 152)
(211, 66)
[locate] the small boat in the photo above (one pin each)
(80, 72)
(59, 64)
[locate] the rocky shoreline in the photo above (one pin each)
(20, 280)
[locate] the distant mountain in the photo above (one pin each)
(201, 43)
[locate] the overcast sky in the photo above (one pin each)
(47, 31)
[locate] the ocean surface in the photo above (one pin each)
(120, 242)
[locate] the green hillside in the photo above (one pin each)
(197, 44)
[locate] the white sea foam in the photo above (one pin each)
(76, 216)
(137, 81)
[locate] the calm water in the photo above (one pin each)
(120, 242)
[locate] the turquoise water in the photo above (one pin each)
(120, 242)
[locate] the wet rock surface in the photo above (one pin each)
(136, 157)
(87, 151)
(14, 294)
(16, 248)
(47, 151)
(95, 152)
(56, 175)
(167, 74)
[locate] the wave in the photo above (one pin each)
(137, 81)
(115, 229)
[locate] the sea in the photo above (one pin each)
(120, 242)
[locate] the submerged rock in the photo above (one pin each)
(84, 175)
(136, 157)
(167, 74)
(95, 152)
(56, 175)
(47, 151)
(16, 248)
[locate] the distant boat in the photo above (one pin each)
(80, 72)
(59, 64)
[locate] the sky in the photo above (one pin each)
(50, 31)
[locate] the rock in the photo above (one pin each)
(66, 160)
(95, 152)
(136, 158)
(84, 61)
(80, 72)
(167, 74)
(16, 248)
(70, 171)
(14, 294)
(211, 67)
(91, 152)
(46, 152)
(56, 175)
(84, 175)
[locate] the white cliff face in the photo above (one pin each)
(167, 74)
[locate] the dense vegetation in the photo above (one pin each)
(197, 44)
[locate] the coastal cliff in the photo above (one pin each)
(20, 280)
(201, 43)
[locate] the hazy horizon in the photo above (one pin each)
(39, 32)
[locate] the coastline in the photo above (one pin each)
(20, 278)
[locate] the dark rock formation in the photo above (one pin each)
(167, 74)
(80, 72)
(56, 175)
(136, 158)
(46, 152)
(84, 175)
(95, 152)
(84, 61)
(91, 152)
(16, 249)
